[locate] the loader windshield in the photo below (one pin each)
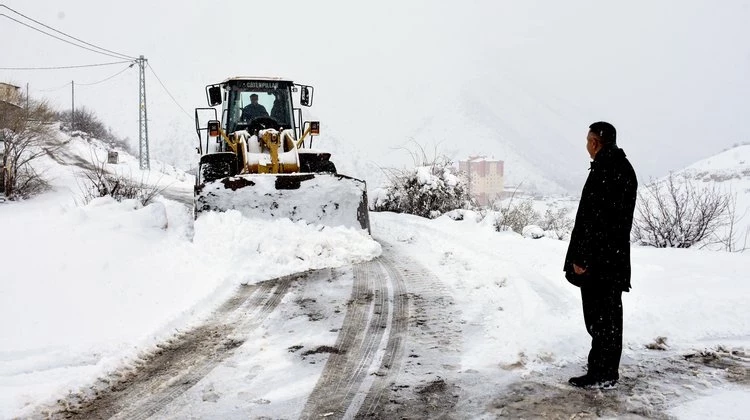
(251, 100)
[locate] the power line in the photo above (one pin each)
(108, 78)
(168, 93)
(69, 36)
(65, 67)
(61, 39)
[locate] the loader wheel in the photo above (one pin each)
(218, 165)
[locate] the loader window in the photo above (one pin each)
(247, 105)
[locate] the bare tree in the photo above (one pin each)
(732, 236)
(675, 213)
(23, 132)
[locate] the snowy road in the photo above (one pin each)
(393, 350)
(184, 360)
(386, 338)
(397, 314)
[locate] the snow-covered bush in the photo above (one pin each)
(516, 215)
(98, 182)
(427, 191)
(533, 232)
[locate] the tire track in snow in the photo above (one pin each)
(371, 376)
(426, 356)
(181, 362)
(362, 335)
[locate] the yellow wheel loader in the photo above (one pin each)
(257, 157)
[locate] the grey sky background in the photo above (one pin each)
(492, 77)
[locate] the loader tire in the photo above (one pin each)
(218, 165)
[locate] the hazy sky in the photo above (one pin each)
(671, 75)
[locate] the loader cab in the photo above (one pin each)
(250, 101)
(239, 109)
(253, 103)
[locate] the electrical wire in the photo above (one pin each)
(108, 78)
(65, 67)
(168, 93)
(69, 36)
(61, 39)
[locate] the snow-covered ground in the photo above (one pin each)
(86, 290)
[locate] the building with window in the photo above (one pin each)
(10, 94)
(485, 178)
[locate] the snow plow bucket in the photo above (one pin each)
(319, 198)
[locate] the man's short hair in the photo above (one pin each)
(605, 131)
(254, 95)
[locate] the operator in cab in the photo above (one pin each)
(254, 109)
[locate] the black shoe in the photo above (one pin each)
(590, 382)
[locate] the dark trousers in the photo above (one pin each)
(602, 312)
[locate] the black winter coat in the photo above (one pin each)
(600, 241)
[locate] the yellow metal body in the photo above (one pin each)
(269, 140)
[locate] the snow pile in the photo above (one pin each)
(427, 191)
(255, 249)
(327, 199)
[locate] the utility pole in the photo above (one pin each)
(72, 105)
(142, 116)
(27, 102)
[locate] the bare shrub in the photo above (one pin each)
(98, 182)
(430, 189)
(516, 215)
(557, 222)
(677, 214)
(23, 132)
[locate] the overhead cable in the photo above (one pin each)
(62, 39)
(63, 33)
(65, 67)
(108, 78)
(168, 93)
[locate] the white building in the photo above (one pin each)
(485, 178)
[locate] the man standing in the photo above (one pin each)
(598, 258)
